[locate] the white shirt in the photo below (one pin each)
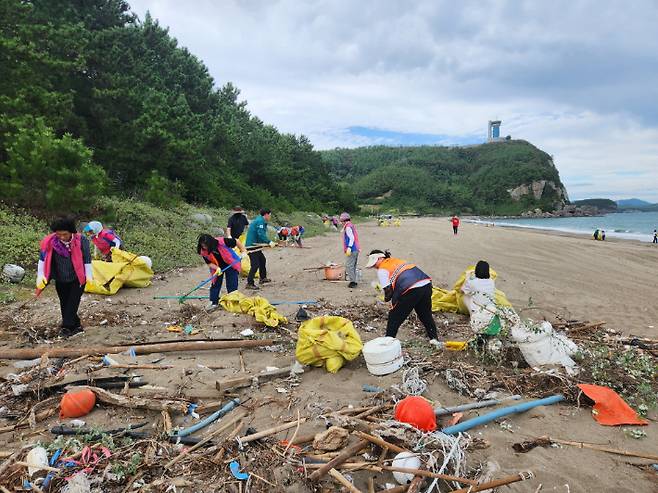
(478, 292)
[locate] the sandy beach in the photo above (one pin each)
(561, 275)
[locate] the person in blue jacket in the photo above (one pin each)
(256, 239)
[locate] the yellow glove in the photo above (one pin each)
(348, 253)
(214, 269)
(41, 282)
(272, 244)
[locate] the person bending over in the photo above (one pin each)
(407, 288)
(218, 253)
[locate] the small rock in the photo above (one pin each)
(13, 273)
(332, 439)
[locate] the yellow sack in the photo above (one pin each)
(126, 270)
(245, 264)
(256, 306)
(444, 300)
(328, 341)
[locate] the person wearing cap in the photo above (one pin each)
(351, 248)
(256, 239)
(65, 257)
(407, 288)
(237, 223)
(104, 239)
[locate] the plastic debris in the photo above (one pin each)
(235, 470)
(407, 460)
(37, 458)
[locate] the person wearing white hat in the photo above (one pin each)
(407, 288)
(104, 239)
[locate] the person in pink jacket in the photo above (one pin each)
(65, 257)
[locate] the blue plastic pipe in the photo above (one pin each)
(499, 413)
(213, 417)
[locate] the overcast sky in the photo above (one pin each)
(579, 79)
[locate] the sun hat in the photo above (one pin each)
(373, 258)
(344, 217)
(93, 227)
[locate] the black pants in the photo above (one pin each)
(69, 300)
(655, 239)
(419, 299)
(258, 261)
(454, 229)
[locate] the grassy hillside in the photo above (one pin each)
(446, 179)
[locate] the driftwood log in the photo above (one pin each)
(169, 347)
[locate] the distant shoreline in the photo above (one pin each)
(610, 235)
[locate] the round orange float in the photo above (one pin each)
(417, 411)
(76, 403)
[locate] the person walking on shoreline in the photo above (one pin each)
(655, 236)
(257, 238)
(455, 224)
(351, 247)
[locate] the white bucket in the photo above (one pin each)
(383, 355)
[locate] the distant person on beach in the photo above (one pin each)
(407, 288)
(655, 236)
(351, 248)
(455, 224)
(602, 235)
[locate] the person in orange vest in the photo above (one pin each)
(407, 288)
(218, 253)
(65, 257)
(455, 224)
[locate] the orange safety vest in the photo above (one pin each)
(402, 276)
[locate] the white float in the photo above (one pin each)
(383, 355)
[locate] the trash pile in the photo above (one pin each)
(143, 417)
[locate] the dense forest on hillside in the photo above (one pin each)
(446, 179)
(601, 204)
(94, 101)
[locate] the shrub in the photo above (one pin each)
(43, 171)
(163, 192)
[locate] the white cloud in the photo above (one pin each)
(577, 78)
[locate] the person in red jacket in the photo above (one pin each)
(455, 224)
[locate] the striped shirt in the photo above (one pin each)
(62, 267)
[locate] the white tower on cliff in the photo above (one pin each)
(493, 130)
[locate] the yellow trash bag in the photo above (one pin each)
(328, 341)
(126, 270)
(444, 300)
(245, 264)
(256, 306)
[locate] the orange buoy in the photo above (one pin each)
(76, 403)
(417, 411)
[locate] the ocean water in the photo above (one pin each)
(627, 225)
